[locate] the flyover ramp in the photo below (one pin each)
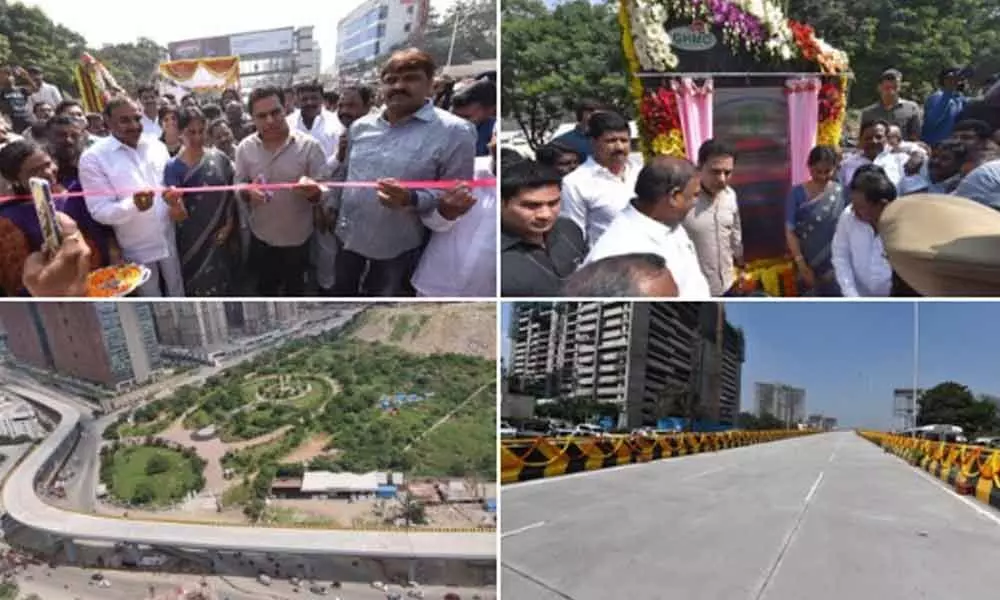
(823, 517)
(23, 504)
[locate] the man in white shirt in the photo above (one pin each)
(714, 222)
(312, 118)
(600, 188)
(45, 91)
(143, 221)
(859, 258)
(460, 259)
(665, 191)
(149, 98)
(897, 163)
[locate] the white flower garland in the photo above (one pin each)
(653, 46)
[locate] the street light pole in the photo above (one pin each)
(454, 33)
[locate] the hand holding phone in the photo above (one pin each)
(41, 194)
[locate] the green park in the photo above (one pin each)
(329, 389)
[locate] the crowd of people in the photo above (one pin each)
(583, 218)
(179, 186)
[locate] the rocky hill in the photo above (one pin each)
(433, 328)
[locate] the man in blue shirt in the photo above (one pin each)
(579, 138)
(478, 103)
(943, 106)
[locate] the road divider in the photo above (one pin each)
(969, 470)
(535, 458)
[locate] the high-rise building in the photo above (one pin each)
(109, 343)
(199, 325)
(643, 357)
(829, 423)
(375, 28)
(781, 401)
(26, 339)
(255, 318)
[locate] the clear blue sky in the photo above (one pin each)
(849, 356)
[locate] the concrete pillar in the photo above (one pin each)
(71, 554)
(412, 572)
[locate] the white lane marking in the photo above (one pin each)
(833, 455)
(703, 474)
(787, 543)
(973, 504)
(523, 529)
(812, 490)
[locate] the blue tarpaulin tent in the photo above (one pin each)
(386, 491)
(491, 505)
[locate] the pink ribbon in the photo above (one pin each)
(427, 185)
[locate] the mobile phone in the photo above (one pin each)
(41, 195)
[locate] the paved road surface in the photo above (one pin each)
(134, 585)
(825, 517)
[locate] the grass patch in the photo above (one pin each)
(400, 327)
(151, 475)
(237, 495)
(280, 516)
(464, 445)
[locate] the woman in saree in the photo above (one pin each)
(206, 239)
(20, 230)
(811, 214)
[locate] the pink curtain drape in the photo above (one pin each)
(694, 103)
(803, 123)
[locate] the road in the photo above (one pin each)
(821, 517)
(25, 506)
(69, 583)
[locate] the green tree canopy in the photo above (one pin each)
(29, 37)
(952, 403)
(550, 60)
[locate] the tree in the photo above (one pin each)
(679, 400)
(144, 493)
(918, 37)
(157, 464)
(952, 403)
(414, 511)
(475, 36)
(254, 509)
(551, 60)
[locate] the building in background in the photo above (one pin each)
(254, 318)
(641, 357)
(113, 344)
(904, 410)
(26, 340)
(829, 423)
(781, 401)
(196, 325)
(374, 29)
(279, 56)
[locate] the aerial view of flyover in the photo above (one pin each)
(23, 504)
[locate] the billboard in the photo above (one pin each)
(263, 42)
(214, 47)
